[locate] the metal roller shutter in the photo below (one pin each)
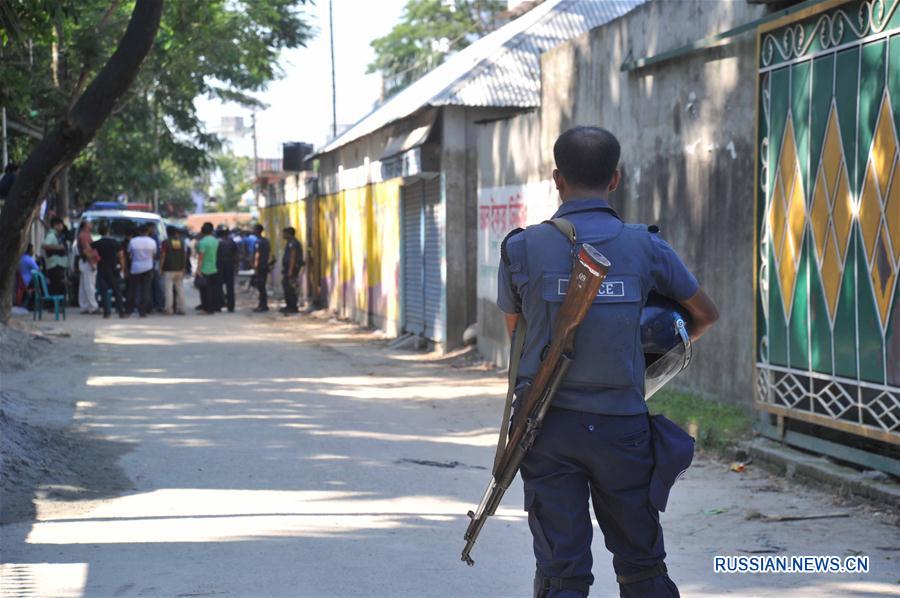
(413, 260)
(434, 243)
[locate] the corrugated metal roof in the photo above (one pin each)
(502, 69)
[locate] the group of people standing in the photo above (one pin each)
(218, 259)
(102, 262)
(217, 265)
(154, 271)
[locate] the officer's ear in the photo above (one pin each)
(558, 179)
(614, 181)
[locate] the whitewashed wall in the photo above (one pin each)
(501, 209)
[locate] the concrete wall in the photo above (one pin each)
(357, 240)
(687, 131)
(455, 199)
(358, 246)
(358, 226)
(459, 160)
(514, 190)
(276, 217)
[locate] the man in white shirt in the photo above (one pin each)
(142, 249)
(56, 257)
(87, 266)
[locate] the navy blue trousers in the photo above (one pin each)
(606, 459)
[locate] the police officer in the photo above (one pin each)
(291, 263)
(596, 438)
(227, 264)
(261, 251)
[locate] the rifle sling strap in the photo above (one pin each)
(567, 229)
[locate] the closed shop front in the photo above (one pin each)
(423, 288)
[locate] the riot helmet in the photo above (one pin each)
(665, 341)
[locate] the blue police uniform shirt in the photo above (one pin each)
(607, 376)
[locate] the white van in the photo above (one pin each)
(121, 221)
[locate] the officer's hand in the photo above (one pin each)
(511, 321)
(703, 313)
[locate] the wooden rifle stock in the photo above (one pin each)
(588, 271)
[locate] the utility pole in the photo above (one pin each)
(333, 84)
(156, 152)
(3, 133)
(255, 161)
(255, 155)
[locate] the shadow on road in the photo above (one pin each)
(300, 459)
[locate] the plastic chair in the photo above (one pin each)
(42, 295)
(24, 292)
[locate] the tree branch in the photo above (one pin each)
(66, 140)
(101, 24)
(86, 67)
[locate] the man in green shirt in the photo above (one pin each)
(56, 256)
(209, 282)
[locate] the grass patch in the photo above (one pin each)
(716, 426)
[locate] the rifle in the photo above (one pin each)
(588, 271)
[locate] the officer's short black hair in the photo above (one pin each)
(290, 231)
(103, 228)
(587, 156)
(259, 229)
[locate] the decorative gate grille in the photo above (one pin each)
(828, 218)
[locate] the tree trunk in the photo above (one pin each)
(71, 135)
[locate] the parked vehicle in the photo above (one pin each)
(121, 221)
(107, 205)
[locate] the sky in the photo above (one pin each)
(299, 105)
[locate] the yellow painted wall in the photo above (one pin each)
(329, 226)
(358, 245)
(276, 218)
(354, 256)
(384, 253)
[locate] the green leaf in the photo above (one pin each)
(154, 141)
(427, 32)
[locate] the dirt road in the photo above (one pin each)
(240, 455)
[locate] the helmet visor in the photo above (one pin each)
(668, 365)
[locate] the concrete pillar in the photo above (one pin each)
(457, 287)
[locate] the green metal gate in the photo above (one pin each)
(828, 218)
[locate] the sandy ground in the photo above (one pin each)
(256, 455)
